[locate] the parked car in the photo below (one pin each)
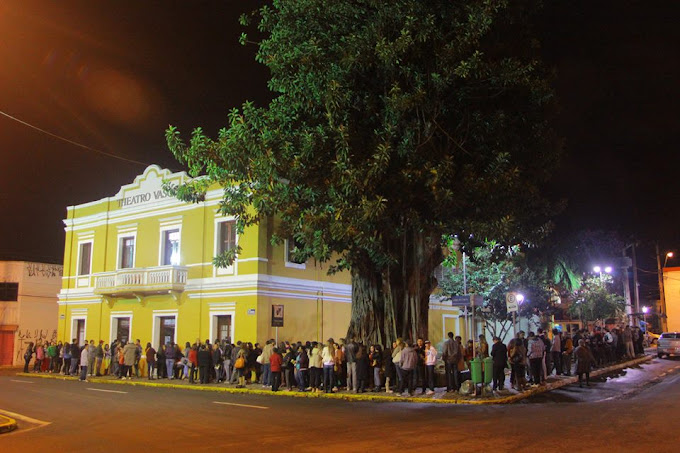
(652, 338)
(669, 344)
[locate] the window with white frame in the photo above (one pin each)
(85, 258)
(291, 246)
(170, 247)
(226, 236)
(127, 252)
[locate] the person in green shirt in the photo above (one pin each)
(52, 354)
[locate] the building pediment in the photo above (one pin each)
(148, 187)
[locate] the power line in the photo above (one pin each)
(648, 272)
(80, 145)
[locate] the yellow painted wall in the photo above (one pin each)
(261, 275)
(672, 290)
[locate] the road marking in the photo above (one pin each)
(23, 382)
(23, 418)
(107, 391)
(240, 405)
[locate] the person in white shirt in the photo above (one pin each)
(84, 362)
(430, 362)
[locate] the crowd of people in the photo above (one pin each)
(404, 366)
(535, 357)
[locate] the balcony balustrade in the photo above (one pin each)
(145, 281)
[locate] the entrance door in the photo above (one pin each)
(6, 347)
(80, 331)
(167, 330)
(123, 329)
(223, 327)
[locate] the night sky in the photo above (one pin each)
(112, 75)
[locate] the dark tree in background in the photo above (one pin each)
(393, 123)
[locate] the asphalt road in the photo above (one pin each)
(635, 411)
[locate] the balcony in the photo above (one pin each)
(140, 282)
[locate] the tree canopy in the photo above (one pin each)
(594, 301)
(392, 124)
(494, 270)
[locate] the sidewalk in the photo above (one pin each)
(7, 424)
(440, 396)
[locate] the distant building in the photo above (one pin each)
(671, 282)
(28, 306)
(138, 265)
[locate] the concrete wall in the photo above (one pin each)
(33, 317)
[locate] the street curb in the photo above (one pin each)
(7, 424)
(574, 379)
(361, 397)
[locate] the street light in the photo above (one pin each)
(645, 310)
(519, 297)
(668, 255)
(598, 270)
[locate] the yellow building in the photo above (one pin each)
(671, 283)
(138, 265)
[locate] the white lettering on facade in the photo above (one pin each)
(142, 198)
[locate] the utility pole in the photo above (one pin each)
(636, 285)
(626, 284)
(662, 292)
(626, 263)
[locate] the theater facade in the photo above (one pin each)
(138, 265)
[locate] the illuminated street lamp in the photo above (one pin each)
(662, 291)
(645, 310)
(519, 297)
(668, 255)
(601, 271)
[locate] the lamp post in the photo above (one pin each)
(645, 310)
(519, 297)
(662, 291)
(602, 271)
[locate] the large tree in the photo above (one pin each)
(392, 123)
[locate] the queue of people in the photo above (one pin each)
(403, 367)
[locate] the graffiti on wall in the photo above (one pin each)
(37, 336)
(44, 270)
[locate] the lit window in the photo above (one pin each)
(85, 258)
(127, 252)
(171, 248)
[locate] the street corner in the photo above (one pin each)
(7, 424)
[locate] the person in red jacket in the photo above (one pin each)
(193, 359)
(275, 362)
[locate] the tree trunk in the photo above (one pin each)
(394, 301)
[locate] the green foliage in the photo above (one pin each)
(595, 300)
(389, 118)
(493, 270)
